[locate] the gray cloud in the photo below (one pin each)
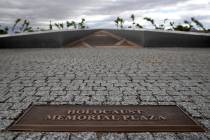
(100, 12)
(125, 5)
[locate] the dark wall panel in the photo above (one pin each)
(136, 36)
(175, 39)
(146, 38)
(42, 40)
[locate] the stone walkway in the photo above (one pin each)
(153, 76)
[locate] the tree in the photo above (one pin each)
(134, 24)
(133, 19)
(3, 30)
(57, 25)
(15, 24)
(117, 20)
(72, 23)
(189, 25)
(163, 25)
(50, 25)
(180, 27)
(139, 26)
(151, 21)
(198, 23)
(156, 26)
(26, 26)
(81, 24)
(61, 25)
(68, 24)
(121, 20)
(171, 23)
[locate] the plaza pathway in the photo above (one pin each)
(147, 76)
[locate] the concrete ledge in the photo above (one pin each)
(136, 36)
(50, 39)
(175, 39)
(146, 38)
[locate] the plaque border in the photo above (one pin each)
(14, 126)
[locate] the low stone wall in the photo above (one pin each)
(49, 39)
(175, 39)
(154, 38)
(136, 36)
(146, 38)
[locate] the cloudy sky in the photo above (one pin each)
(101, 13)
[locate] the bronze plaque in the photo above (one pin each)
(98, 118)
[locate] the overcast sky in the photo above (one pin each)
(101, 13)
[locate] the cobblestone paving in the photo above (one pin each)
(105, 76)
